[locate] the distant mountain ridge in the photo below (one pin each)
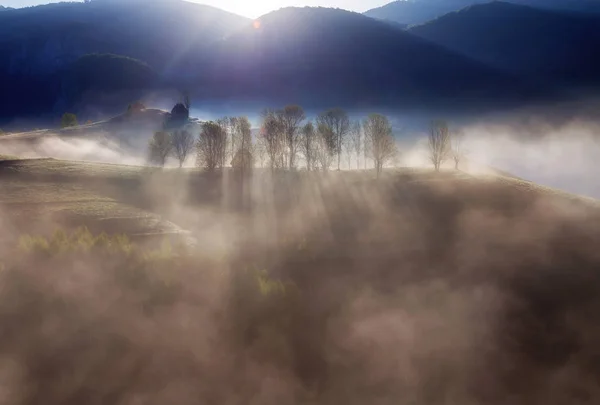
(42, 39)
(100, 56)
(559, 47)
(39, 44)
(336, 56)
(409, 12)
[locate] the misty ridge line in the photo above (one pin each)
(557, 156)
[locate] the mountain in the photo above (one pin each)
(40, 40)
(331, 56)
(553, 46)
(41, 46)
(409, 12)
(100, 81)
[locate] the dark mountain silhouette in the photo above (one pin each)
(555, 46)
(91, 78)
(327, 56)
(96, 79)
(40, 45)
(40, 40)
(315, 56)
(409, 12)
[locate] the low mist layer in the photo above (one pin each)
(560, 156)
(327, 289)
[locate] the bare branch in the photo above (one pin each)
(323, 154)
(291, 117)
(457, 149)
(439, 143)
(243, 160)
(380, 141)
(356, 140)
(183, 143)
(336, 125)
(160, 147)
(273, 132)
(308, 145)
(211, 146)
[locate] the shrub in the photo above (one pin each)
(68, 120)
(79, 241)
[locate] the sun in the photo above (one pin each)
(256, 24)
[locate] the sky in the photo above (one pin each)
(249, 8)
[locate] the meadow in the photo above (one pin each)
(129, 284)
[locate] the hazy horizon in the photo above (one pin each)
(246, 8)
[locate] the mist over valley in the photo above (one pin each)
(316, 206)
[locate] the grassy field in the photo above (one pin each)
(419, 287)
(8, 157)
(39, 195)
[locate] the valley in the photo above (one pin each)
(314, 206)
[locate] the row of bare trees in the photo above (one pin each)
(285, 136)
(444, 145)
(163, 144)
(227, 137)
(285, 139)
(217, 141)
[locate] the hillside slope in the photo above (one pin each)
(42, 39)
(42, 195)
(410, 12)
(42, 48)
(124, 133)
(418, 288)
(558, 47)
(330, 56)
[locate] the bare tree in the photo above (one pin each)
(378, 135)
(243, 162)
(260, 149)
(439, 143)
(338, 124)
(356, 140)
(348, 149)
(274, 138)
(183, 143)
(366, 151)
(211, 147)
(323, 154)
(457, 149)
(291, 117)
(160, 147)
(228, 124)
(308, 145)
(243, 159)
